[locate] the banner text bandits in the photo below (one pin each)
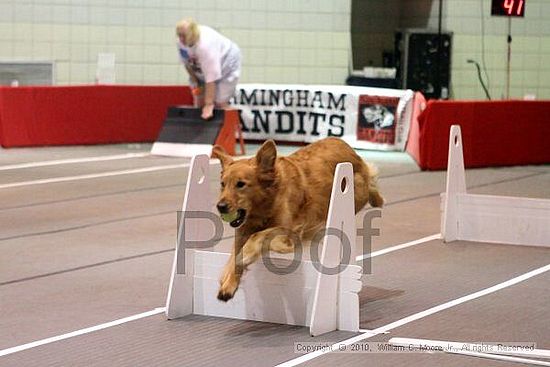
(302, 105)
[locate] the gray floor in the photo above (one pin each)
(82, 252)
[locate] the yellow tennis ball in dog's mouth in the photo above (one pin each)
(230, 217)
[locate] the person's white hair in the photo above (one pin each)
(188, 29)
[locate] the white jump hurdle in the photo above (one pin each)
(305, 297)
(487, 218)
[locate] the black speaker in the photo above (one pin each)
(423, 62)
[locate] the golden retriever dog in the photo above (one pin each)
(276, 202)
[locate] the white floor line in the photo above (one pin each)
(365, 333)
(213, 162)
(135, 317)
(92, 176)
(74, 160)
(489, 348)
(38, 343)
(399, 247)
(532, 362)
(415, 317)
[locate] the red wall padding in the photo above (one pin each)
(498, 133)
(34, 116)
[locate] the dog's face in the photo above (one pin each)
(245, 183)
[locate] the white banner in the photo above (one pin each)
(367, 118)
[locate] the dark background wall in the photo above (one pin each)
(374, 22)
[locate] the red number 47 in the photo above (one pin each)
(510, 4)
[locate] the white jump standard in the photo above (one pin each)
(488, 218)
(324, 302)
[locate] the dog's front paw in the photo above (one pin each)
(222, 296)
(228, 289)
(225, 294)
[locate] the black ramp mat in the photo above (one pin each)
(185, 125)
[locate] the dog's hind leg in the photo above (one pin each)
(277, 239)
(375, 198)
(366, 187)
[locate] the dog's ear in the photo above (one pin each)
(220, 153)
(266, 156)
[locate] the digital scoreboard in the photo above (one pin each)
(508, 8)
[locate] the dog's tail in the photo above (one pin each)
(375, 199)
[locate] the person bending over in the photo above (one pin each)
(213, 62)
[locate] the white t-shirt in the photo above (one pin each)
(214, 57)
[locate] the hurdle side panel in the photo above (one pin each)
(505, 220)
(325, 316)
(348, 300)
(456, 184)
(179, 301)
